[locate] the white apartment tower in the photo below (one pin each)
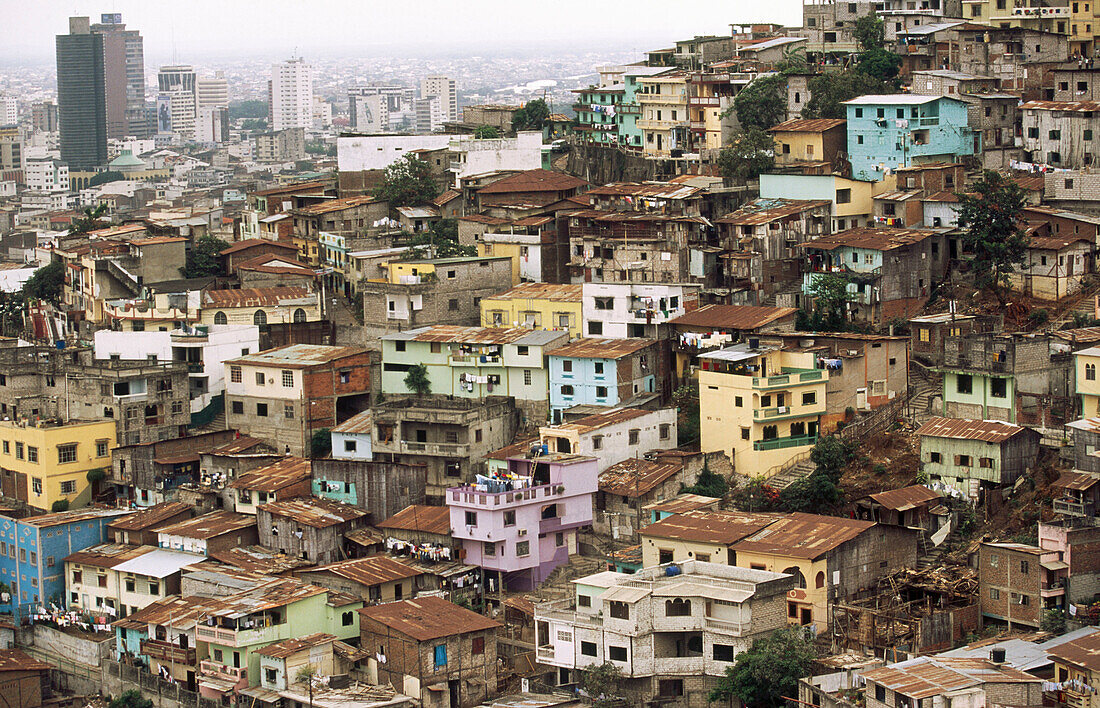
(176, 95)
(447, 92)
(9, 110)
(212, 92)
(291, 95)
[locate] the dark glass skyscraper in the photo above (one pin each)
(124, 73)
(81, 96)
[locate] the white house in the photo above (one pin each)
(204, 348)
(613, 436)
(470, 156)
(621, 310)
(351, 440)
(377, 152)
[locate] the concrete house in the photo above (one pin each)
(375, 578)
(891, 131)
(148, 473)
(715, 326)
(520, 524)
(1018, 582)
(450, 437)
(671, 635)
(961, 680)
(622, 310)
(1054, 266)
(611, 436)
(970, 454)
(804, 142)
(429, 642)
(603, 372)
(819, 551)
(261, 306)
(891, 272)
(283, 395)
(118, 580)
(308, 528)
(474, 362)
(423, 293)
(549, 306)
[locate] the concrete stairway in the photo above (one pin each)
(925, 384)
(788, 476)
(558, 584)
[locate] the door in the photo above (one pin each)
(861, 399)
(452, 690)
(806, 616)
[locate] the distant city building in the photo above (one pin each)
(9, 110)
(429, 114)
(447, 91)
(81, 96)
(291, 97)
(212, 91)
(176, 100)
(44, 117)
(124, 77)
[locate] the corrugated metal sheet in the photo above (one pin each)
(993, 431)
(428, 618)
(316, 513)
(804, 535)
(418, 517)
(807, 125)
(741, 317)
(210, 525)
(1071, 106)
(636, 476)
(876, 239)
(272, 478)
(906, 497)
(603, 348)
(766, 210)
(653, 190)
(540, 291)
(721, 527)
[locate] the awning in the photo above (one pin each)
(1054, 565)
(219, 685)
(261, 694)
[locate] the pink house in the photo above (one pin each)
(520, 523)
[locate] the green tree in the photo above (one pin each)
(794, 60)
(531, 116)
(92, 220)
(829, 91)
(1053, 621)
(417, 381)
(305, 675)
(407, 182)
(320, 443)
(756, 495)
(105, 177)
(990, 217)
(881, 64)
(131, 699)
(830, 297)
(46, 283)
(247, 109)
(204, 258)
(708, 484)
(254, 124)
(749, 153)
(768, 671)
(762, 103)
(815, 493)
(600, 682)
(832, 455)
(870, 31)
(486, 132)
(439, 241)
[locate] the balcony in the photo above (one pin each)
(1055, 588)
(1040, 13)
(789, 377)
(239, 637)
(194, 367)
(1071, 507)
(476, 360)
(215, 669)
(727, 627)
(429, 448)
(781, 412)
(166, 651)
(780, 443)
(470, 496)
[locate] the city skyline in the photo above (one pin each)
(336, 29)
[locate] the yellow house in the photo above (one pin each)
(664, 119)
(807, 141)
(51, 461)
(817, 550)
(760, 405)
(853, 199)
(1077, 669)
(1088, 385)
(537, 305)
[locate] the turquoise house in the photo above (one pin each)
(598, 114)
(601, 372)
(887, 132)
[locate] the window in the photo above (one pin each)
(994, 594)
(567, 390)
(843, 196)
(601, 392)
(101, 448)
(347, 619)
(745, 433)
(723, 652)
(597, 442)
(509, 518)
(1090, 375)
(809, 398)
(259, 378)
(678, 607)
(7, 448)
(261, 410)
(350, 445)
(994, 560)
(633, 436)
(962, 460)
(288, 410)
(440, 655)
(526, 377)
(618, 610)
(478, 645)
(345, 376)
(259, 318)
(237, 407)
(523, 548)
(68, 487)
(452, 304)
(664, 431)
(154, 587)
(880, 693)
(235, 374)
(19, 451)
(963, 383)
(567, 365)
(32, 453)
(1023, 567)
(616, 653)
(489, 549)
(471, 518)
(588, 648)
(998, 388)
(595, 327)
(936, 458)
(270, 675)
(584, 600)
(288, 379)
(598, 367)
(66, 453)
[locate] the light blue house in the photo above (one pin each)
(629, 109)
(598, 116)
(601, 372)
(887, 132)
(351, 439)
(33, 550)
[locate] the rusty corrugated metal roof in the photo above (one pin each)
(255, 297)
(1071, 106)
(906, 497)
(297, 356)
(372, 570)
(720, 527)
(556, 292)
(287, 647)
(927, 676)
(741, 317)
(993, 431)
(358, 423)
(1078, 481)
(537, 180)
(427, 618)
(801, 535)
(313, 512)
(873, 238)
(634, 476)
(150, 517)
(766, 210)
(273, 477)
(1083, 652)
(209, 525)
(419, 517)
(589, 348)
(807, 125)
(652, 190)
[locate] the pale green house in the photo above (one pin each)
(475, 362)
(971, 454)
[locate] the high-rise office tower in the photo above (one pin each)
(81, 96)
(291, 95)
(447, 91)
(44, 117)
(9, 110)
(176, 112)
(429, 114)
(124, 76)
(212, 92)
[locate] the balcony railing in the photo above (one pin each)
(427, 448)
(726, 626)
(217, 669)
(469, 495)
(780, 443)
(1071, 507)
(790, 376)
(239, 637)
(779, 412)
(166, 651)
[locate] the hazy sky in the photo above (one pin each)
(194, 29)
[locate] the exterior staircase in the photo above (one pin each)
(924, 384)
(791, 474)
(1083, 306)
(216, 423)
(558, 586)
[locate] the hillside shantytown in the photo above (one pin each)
(758, 369)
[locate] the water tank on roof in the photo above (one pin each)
(672, 571)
